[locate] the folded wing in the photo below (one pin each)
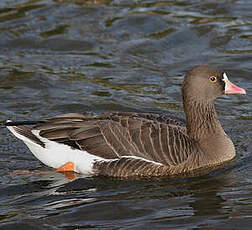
(151, 137)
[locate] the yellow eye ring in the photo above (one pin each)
(213, 78)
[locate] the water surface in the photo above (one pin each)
(60, 56)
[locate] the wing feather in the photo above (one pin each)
(152, 137)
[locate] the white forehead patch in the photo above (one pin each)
(225, 78)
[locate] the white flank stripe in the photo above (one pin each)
(143, 159)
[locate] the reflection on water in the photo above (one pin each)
(60, 56)
(101, 202)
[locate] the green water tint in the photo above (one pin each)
(61, 56)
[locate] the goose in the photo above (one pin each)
(131, 144)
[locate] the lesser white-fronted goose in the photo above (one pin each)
(138, 144)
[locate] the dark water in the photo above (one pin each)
(73, 56)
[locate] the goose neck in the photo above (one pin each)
(202, 120)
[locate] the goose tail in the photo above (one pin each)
(23, 132)
(18, 123)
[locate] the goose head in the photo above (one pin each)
(206, 83)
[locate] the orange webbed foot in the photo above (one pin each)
(67, 167)
(68, 170)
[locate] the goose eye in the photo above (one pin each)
(213, 78)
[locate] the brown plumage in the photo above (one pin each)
(145, 144)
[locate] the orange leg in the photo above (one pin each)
(68, 170)
(68, 167)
